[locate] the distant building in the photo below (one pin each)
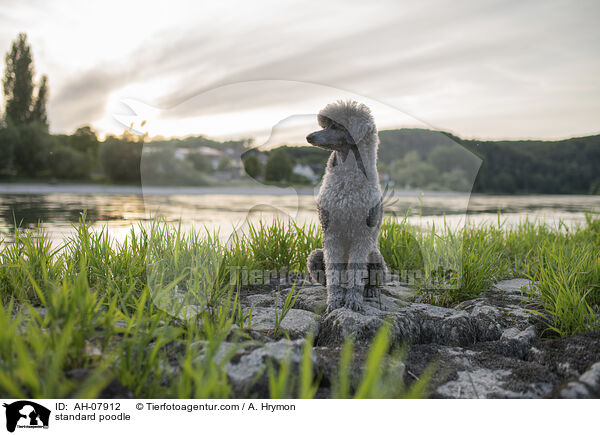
(262, 157)
(305, 171)
(317, 168)
(213, 155)
(385, 179)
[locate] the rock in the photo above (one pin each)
(248, 367)
(260, 300)
(343, 323)
(121, 324)
(469, 373)
(503, 306)
(392, 297)
(114, 390)
(487, 347)
(327, 365)
(592, 377)
(478, 383)
(297, 323)
(422, 323)
(519, 365)
(586, 387)
(513, 342)
(568, 357)
(517, 286)
(417, 323)
(403, 295)
(481, 319)
(312, 298)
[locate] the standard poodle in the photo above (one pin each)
(349, 205)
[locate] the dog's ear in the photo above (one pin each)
(359, 128)
(324, 121)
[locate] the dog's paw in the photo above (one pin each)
(370, 291)
(335, 298)
(353, 300)
(331, 307)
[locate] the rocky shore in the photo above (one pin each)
(489, 347)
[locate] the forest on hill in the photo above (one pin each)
(434, 160)
(408, 158)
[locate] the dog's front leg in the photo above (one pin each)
(335, 268)
(357, 275)
(377, 273)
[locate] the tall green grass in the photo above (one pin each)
(93, 306)
(566, 269)
(118, 309)
(563, 262)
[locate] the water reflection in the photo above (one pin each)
(58, 212)
(222, 212)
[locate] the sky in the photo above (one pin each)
(232, 69)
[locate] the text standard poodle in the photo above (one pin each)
(350, 206)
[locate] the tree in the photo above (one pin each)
(279, 166)
(21, 106)
(25, 116)
(224, 164)
(70, 164)
(120, 158)
(9, 138)
(85, 141)
(201, 163)
(38, 113)
(32, 153)
(252, 166)
(160, 167)
(18, 81)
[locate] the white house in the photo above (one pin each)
(213, 155)
(305, 171)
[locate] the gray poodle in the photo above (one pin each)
(349, 205)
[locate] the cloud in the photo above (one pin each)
(445, 63)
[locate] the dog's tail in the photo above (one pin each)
(387, 197)
(316, 266)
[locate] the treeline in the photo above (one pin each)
(434, 160)
(29, 151)
(279, 163)
(408, 158)
(532, 166)
(418, 156)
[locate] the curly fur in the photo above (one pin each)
(349, 204)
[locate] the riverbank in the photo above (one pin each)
(170, 314)
(222, 189)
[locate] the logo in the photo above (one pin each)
(26, 414)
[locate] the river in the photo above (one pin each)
(221, 209)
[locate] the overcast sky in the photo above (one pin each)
(489, 69)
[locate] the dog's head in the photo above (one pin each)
(346, 126)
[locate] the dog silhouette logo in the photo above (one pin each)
(26, 414)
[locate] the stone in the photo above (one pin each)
(343, 323)
(474, 373)
(586, 387)
(114, 389)
(312, 298)
(297, 323)
(248, 368)
(486, 347)
(517, 286)
(260, 300)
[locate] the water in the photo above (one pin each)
(120, 208)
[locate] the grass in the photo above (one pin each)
(117, 310)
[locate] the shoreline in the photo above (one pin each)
(90, 189)
(257, 189)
